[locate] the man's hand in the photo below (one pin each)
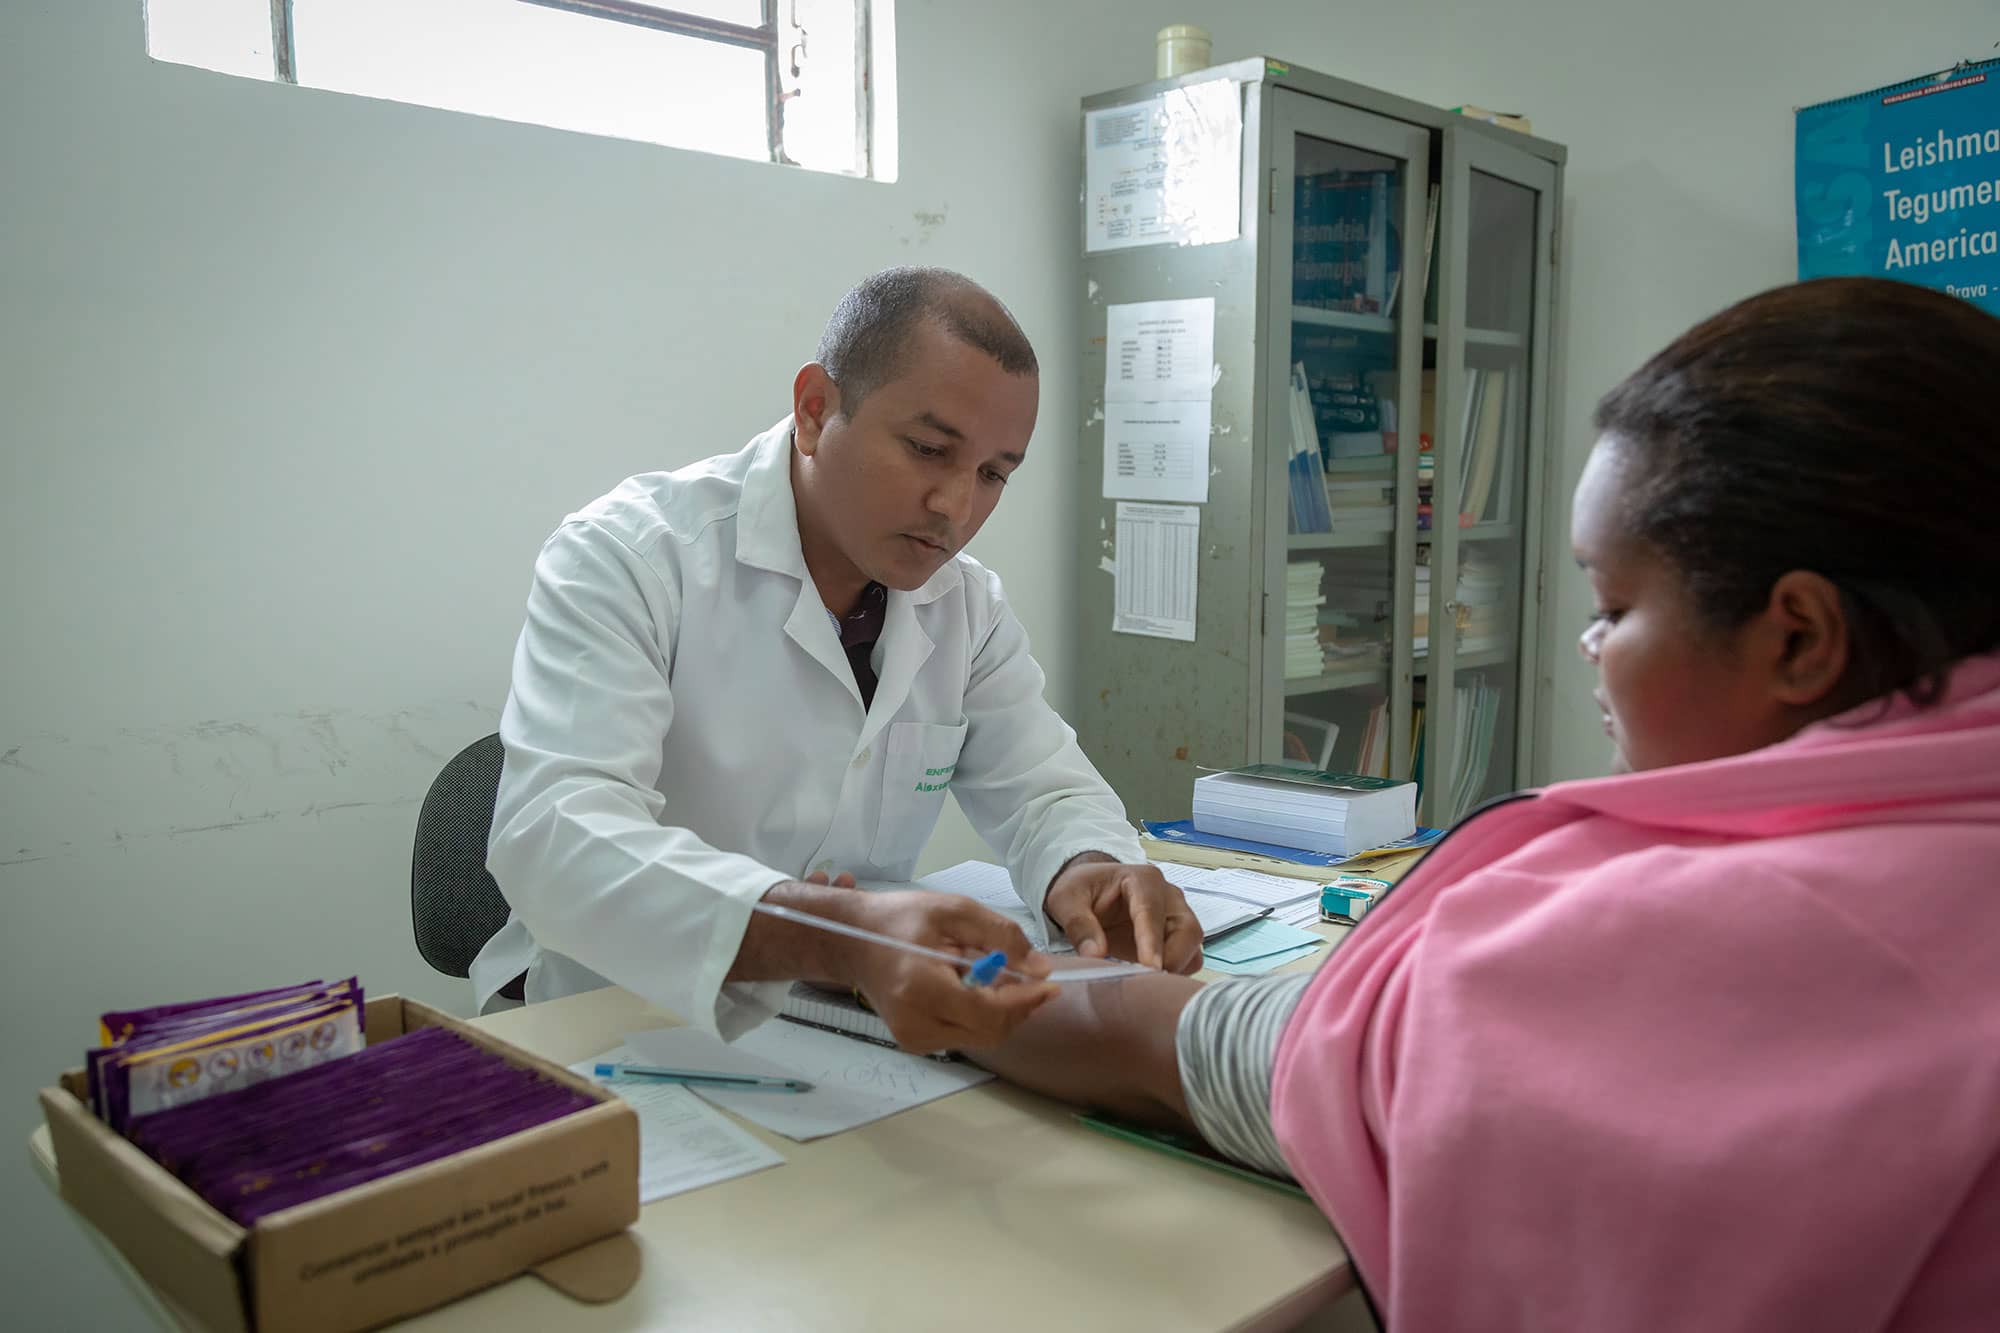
(1105, 907)
(926, 1003)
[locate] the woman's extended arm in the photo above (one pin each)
(1107, 1045)
(1165, 1051)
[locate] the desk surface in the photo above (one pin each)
(990, 1208)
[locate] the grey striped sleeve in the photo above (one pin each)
(1227, 1043)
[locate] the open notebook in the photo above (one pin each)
(834, 1011)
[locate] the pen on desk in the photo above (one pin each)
(982, 971)
(705, 1078)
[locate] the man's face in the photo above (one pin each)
(900, 486)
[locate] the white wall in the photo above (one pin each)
(292, 385)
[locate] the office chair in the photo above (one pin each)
(455, 907)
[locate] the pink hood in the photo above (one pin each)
(1707, 1047)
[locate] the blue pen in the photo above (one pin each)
(705, 1078)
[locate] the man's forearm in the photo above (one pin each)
(777, 950)
(1107, 1045)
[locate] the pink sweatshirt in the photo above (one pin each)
(1711, 1047)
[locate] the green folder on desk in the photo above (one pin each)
(1184, 1146)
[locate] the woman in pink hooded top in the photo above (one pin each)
(1714, 1043)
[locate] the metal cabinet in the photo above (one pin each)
(1383, 330)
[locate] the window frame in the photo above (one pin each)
(767, 38)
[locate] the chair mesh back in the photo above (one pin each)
(454, 903)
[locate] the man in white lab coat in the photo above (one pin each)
(758, 676)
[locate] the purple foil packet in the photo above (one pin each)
(130, 1031)
(395, 1105)
(146, 1075)
(120, 1024)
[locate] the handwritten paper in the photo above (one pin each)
(683, 1143)
(854, 1082)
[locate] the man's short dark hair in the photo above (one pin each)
(871, 327)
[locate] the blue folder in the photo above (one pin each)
(1183, 830)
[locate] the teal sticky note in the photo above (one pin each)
(1256, 940)
(1268, 963)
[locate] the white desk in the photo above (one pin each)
(988, 1209)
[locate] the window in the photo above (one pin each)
(806, 82)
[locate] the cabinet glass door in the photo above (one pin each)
(1347, 211)
(1476, 637)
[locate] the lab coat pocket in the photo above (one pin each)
(921, 758)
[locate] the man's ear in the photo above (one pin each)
(815, 401)
(1810, 634)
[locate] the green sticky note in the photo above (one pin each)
(1259, 939)
(1257, 967)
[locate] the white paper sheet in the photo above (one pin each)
(683, 1143)
(1217, 914)
(1168, 170)
(1156, 451)
(990, 886)
(854, 1082)
(1182, 877)
(1158, 548)
(1160, 351)
(1304, 913)
(1251, 886)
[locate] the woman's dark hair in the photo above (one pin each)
(1842, 426)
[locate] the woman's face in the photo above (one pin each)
(1673, 690)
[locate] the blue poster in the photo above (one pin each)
(1904, 182)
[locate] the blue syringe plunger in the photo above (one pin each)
(988, 969)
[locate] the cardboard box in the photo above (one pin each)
(385, 1249)
(1504, 119)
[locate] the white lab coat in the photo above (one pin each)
(684, 731)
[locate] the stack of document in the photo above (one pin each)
(1291, 902)
(1366, 505)
(990, 886)
(1303, 600)
(1420, 622)
(1482, 593)
(1474, 718)
(1340, 813)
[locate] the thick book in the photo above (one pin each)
(1316, 778)
(1339, 813)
